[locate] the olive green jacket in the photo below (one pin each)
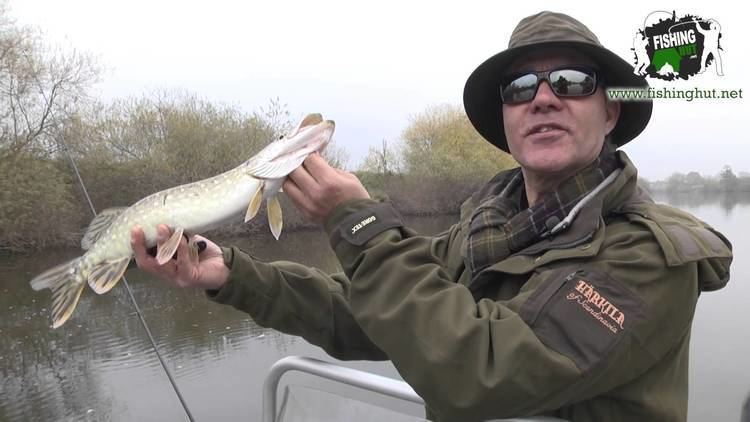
(591, 325)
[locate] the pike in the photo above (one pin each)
(190, 208)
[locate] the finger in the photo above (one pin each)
(186, 261)
(303, 179)
(138, 244)
(298, 197)
(163, 232)
(206, 247)
(317, 166)
(147, 262)
(167, 272)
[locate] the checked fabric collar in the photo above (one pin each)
(499, 226)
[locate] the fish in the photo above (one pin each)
(190, 208)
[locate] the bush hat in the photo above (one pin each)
(482, 100)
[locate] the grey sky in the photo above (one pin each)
(370, 66)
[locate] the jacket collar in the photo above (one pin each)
(581, 239)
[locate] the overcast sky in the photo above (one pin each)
(372, 65)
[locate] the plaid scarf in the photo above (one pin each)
(499, 227)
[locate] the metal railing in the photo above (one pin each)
(356, 378)
(349, 376)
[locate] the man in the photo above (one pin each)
(563, 290)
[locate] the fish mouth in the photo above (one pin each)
(327, 134)
(321, 139)
(281, 157)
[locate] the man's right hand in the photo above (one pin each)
(206, 271)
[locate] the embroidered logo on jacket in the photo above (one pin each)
(363, 223)
(598, 306)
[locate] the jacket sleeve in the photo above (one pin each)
(297, 300)
(474, 360)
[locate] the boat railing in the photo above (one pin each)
(353, 377)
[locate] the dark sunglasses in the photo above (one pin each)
(568, 81)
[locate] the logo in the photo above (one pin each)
(668, 47)
(363, 223)
(597, 306)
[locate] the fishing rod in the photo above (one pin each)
(172, 381)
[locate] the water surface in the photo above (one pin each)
(100, 365)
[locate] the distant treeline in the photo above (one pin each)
(128, 148)
(725, 181)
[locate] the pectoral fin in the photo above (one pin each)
(254, 206)
(277, 168)
(105, 275)
(166, 250)
(275, 220)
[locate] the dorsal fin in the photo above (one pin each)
(99, 225)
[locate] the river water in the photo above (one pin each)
(101, 366)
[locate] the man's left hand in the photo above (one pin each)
(316, 188)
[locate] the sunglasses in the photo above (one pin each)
(569, 81)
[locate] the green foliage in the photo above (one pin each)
(442, 143)
(174, 133)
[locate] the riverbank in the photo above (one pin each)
(35, 225)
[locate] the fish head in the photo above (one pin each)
(312, 134)
(281, 157)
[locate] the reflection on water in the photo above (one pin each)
(100, 365)
(719, 349)
(727, 200)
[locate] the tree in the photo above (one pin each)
(379, 165)
(676, 182)
(39, 88)
(441, 142)
(727, 180)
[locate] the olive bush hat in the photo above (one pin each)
(547, 29)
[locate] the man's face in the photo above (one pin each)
(577, 125)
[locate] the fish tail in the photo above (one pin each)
(66, 283)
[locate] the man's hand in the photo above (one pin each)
(206, 271)
(316, 188)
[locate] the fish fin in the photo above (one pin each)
(99, 225)
(276, 168)
(66, 289)
(275, 220)
(105, 275)
(272, 187)
(166, 250)
(254, 206)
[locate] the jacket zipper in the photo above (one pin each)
(552, 290)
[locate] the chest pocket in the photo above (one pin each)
(684, 239)
(582, 314)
